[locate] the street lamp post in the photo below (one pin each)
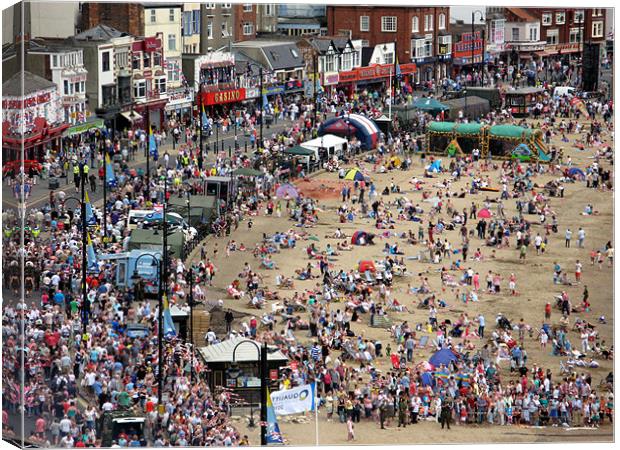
(105, 186)
(85, 305)
(262, 354)
(262, 109)
(191, 291)
(164, 288)
(473, 20)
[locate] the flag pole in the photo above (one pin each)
(316, 415)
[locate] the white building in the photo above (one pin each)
(166, 18)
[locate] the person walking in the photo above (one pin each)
(581, 236)
(567, 236)
(402, 411)
(481, 325)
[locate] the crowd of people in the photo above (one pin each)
(74, 371)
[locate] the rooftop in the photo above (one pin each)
(223, 352)
(32, 83)
(100, 33)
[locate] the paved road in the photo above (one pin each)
(40, 193)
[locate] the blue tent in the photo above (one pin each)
(427, 379)
(443, 356)
(576, 172)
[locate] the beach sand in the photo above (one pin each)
(534, 284)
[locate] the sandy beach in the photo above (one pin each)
(534, 285)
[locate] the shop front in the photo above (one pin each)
(373, 77)
(179, 104)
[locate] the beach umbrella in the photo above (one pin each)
(354, 175)
(314, 238)
(287, 190)
(484, 214)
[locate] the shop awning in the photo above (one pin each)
(299, 151)
(132, 116)
(82, 127)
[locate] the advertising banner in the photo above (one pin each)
(293, 401)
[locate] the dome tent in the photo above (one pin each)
(361, 127)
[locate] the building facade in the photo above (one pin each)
(32, 119)
(190, 27)
(216, 26)
(166, 19)
(127, 17)
(467, 48)
(267, 18)
(421, 34)
(244, 22)
(41, 19)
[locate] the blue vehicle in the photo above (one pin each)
(126, 268)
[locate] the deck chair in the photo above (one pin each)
(423, 342)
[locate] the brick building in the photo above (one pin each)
(244, 22)
(421, 34)
(127, 17)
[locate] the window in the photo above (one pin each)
(247, 7)
(575, 35)
(553, 36)
(428, 45)
(209, 5)
(135, 61)
(597, 12)
(444, 45)
(356, 59)
(428, 22)
(105, 62)
(226, 5)
(172, 42)
(329, 63)
(269, 10)
(547, 19)
(153, 15)
(364, 23)
(82, 86)
(187, 23)
(417, 48)
(76, 88)
(388, 58)
(415, 24)
(346, 61)
(139, 89)
(171, 15)
(147, 60)
(515, 34)
(248, 28)
(560, 18)
(578, 17)
(388, 24)
(195, 21)
(533, 34)
(210, 29)
(160, 85)
(597, 29)
(173, 72)
(156, 59)
(66, 87)
(442, 21)
(224, 30)
(54, 61)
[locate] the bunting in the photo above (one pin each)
(91, 256)
(273, 429)
(90, 216)
(109, 174)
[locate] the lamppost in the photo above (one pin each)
(191, 291)
(164, 288)
(473, 20)
(262, 355)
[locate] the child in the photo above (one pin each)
(351, 435)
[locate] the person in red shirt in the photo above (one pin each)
(548, 311)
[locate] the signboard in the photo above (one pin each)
(248, 382)
(218, 98)
(151, 44)
(273, 90)
(330, 78)
(293, 401)
(346, 77)
(443, 49)
(251, 92)
(293, 84)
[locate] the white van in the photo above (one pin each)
(136, 216)
(561, 91)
